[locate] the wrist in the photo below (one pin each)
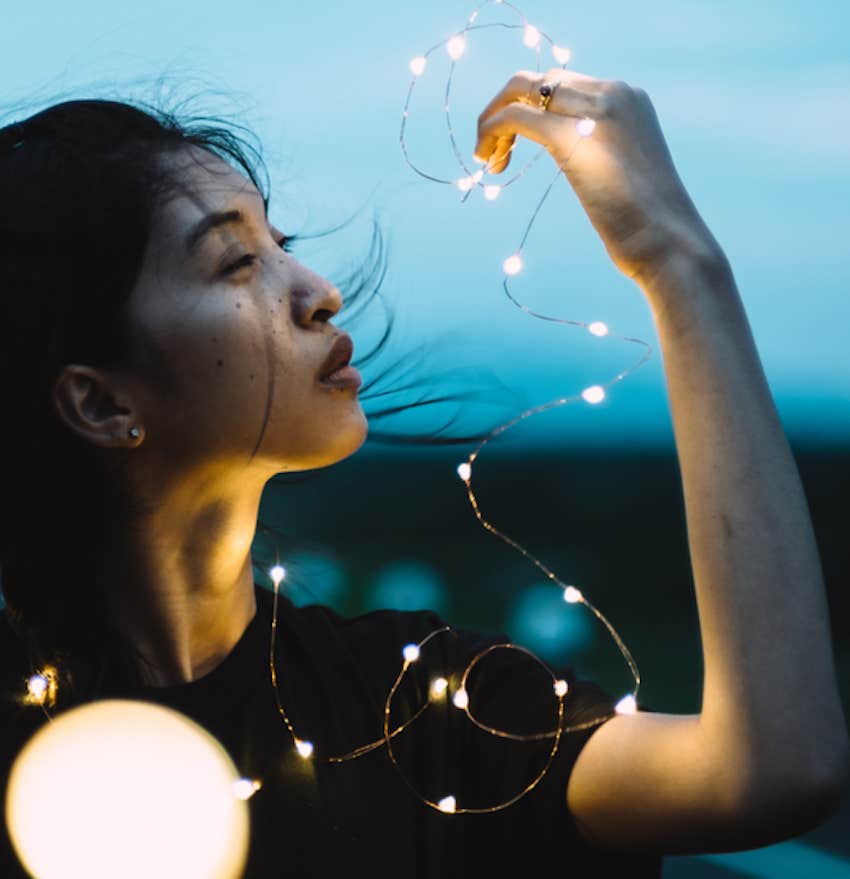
(689, 252)
(695, 263)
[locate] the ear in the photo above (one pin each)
(94, 405)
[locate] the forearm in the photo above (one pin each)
(770, 696)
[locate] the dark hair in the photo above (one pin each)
(86, 177)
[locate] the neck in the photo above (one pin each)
(184, 593)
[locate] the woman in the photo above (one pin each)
(164, 357)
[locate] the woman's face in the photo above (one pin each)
(226, 362)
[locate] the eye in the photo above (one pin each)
(285, 244)
(246, 260)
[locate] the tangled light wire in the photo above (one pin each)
(455, 46)
(42, 686)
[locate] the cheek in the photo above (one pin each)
(219, 359)
(256, 365)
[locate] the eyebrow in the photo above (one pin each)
(214, 221)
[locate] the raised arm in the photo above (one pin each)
(768, 756)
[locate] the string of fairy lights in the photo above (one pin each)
(42, 686)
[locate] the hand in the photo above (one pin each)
(622, 173)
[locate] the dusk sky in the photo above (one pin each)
(754, 101)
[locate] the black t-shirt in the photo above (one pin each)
(314, 818)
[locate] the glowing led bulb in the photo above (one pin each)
(245, 788)
(464, 471)
(464, 184)
(305, 749)
(447, 804)
(438, 688)
(478, 175)
(410, 653)
(455, 47)
(572, 595)
(277, 573)
(460, 698)
(492, 191)
(561, 688)
(585, 127)
(593, 394)
(512, 265)
(561, 55)
(418, 65)
(531, 36)
(37, 688)
(626, 705)
(598, 328)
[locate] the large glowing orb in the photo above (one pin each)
(130, 789)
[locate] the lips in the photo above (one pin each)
(340, 355)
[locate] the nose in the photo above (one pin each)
(315, 300)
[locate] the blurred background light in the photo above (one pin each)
(407, 585)
(540, 620)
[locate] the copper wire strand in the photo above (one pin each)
(388, 735)
(357, 752)
(517, 737)
(467, 810)
(381, 742)
(406, 112)
(644, 357)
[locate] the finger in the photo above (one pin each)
(568, 100)
(537, 125)
(579, 100)
(524, 86)
(501, 154)
(520, 86)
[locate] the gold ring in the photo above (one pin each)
(546, 91)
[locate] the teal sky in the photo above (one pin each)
(754, 100)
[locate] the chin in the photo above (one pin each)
(347, 439)
(352, 440)
(347, 436)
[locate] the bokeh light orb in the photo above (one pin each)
(130, 789)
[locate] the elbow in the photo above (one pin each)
(820, 769)
(782, 807)
(824, 797)
(832, 779)
(826, 785)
